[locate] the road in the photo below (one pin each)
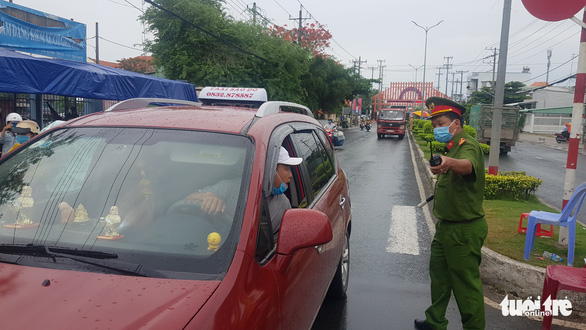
(389, 281)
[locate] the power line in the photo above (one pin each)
(282, 8)
(139, 9)
(119, 44)
(557, 67)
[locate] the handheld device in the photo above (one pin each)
(435, 160)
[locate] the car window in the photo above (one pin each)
(123, 190)
(317, 161)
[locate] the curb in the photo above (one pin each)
(506, 274)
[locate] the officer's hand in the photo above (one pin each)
(211, 203)
(443, 167)
(8, 127)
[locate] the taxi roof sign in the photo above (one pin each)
(234, 95)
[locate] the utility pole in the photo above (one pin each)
(548, 63)
(359, 64)
(97, 45)
(499, 92)
(461, 72)
(448, 67)
(453, 79)
(253, 13)
(380, 74)
(300, 19)
(439, 75)
(493, 83)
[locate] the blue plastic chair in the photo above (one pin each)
(565, 219)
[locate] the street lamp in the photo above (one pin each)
(425, 58)
(416, 68)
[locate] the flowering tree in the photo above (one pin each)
(314, 37)
(140, 64)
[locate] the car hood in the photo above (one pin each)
(35, 298)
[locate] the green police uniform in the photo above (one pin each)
(460, 233)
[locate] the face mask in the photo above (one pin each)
(329, 121)
(282, 188)
(22, 138)
(442, 134)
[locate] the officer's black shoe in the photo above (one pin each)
(422, 325)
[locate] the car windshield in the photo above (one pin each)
(391, 115)
(123, 191)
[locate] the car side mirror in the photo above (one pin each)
(301, 228)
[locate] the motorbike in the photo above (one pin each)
(367, 127)
(559, 138)
(361, 126)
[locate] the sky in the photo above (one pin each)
(370, 31)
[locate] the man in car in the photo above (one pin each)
(461, 227)
(216, 199)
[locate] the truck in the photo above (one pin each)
(391, 122)
(481, 121)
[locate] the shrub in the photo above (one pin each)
(510, 185)
(427, 128)
(437, 147)
(470, 130)
(485, 148)
(427, 137)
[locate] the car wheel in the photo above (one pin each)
(401, 137)
(339, 284)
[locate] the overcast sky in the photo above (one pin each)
(370, 30)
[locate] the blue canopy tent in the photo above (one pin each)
(21, 73)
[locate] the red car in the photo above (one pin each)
(98, 230)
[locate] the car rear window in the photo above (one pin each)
(123, 191)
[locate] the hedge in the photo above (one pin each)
(510, 185)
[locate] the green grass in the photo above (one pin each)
(503, 220)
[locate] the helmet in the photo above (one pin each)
(13, 116)
(26, 126)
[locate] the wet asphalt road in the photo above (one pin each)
(389, 290)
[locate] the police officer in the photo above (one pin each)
(461, 227)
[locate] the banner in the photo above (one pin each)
(28, 30)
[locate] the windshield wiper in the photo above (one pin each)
(43, 251)
(84, 256)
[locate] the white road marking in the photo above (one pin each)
(403, 236)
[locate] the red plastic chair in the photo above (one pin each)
(538, 232)
(557, 278)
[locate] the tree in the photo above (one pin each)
(314, 37)
(140, 64)
(185, 52)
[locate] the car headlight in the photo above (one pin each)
(402, 127)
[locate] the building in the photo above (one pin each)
(478, 80)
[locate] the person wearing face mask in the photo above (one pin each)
(278, 202)
(461, 227)
(24, 130)
(330, 125)
(7, 136)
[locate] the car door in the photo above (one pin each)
(306, 280)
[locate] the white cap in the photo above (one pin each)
(285, 159)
